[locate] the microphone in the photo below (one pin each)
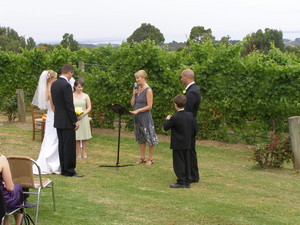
(135, 85)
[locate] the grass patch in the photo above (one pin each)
(232, 190)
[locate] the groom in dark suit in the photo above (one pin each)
(65, 121)
(192, 94)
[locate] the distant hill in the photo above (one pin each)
(96, 45)
(174, 46)
(292, 43)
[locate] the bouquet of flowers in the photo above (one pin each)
(44, 117)
(78, 111)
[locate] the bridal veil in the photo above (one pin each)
(40, 96)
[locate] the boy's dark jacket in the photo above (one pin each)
(183, 126)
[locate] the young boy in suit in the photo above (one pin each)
(183, 127)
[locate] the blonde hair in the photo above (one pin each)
(141, 73)
(51, 74)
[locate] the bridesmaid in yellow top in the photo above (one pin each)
(82, 101)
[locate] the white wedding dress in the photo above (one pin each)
(48, 159)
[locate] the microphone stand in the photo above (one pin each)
(121, 111)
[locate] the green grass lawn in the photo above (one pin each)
(231, 191)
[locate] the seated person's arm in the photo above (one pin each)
(6, 174)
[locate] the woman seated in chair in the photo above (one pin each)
(12, 193)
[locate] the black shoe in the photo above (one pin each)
(29, 205)
(179, 186)
(73, 175)
(77, 175)
(194, 181)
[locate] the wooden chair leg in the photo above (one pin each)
(33, 132)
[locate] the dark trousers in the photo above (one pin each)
(25, 195)
(194, 162)
(67, 151)
(181, 166)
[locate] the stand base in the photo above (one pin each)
(117, 165)
(121, 111)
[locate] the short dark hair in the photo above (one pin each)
(67, 68)
(180, 100)
(79, 81)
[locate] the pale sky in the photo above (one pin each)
(115, 20)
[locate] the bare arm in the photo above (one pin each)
(7, 179)
(51, 103)
(88, 107)
(149, 96)
(134, 92)
(76, 126)
(50, 97)
(88, 104)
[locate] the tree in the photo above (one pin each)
(147, 31)
(225, 41)
(22, 42)
(10, 40)
(7, 44)
(175, 46)
(45, 46)
(69, 42)
(262, 41)
(200, 35)
(30, 43)
(293, 49)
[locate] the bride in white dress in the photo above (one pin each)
(48, 159)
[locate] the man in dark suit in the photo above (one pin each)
(192, 94)
(65, 121)
(183, 127)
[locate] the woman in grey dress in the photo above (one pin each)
(142, 101)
